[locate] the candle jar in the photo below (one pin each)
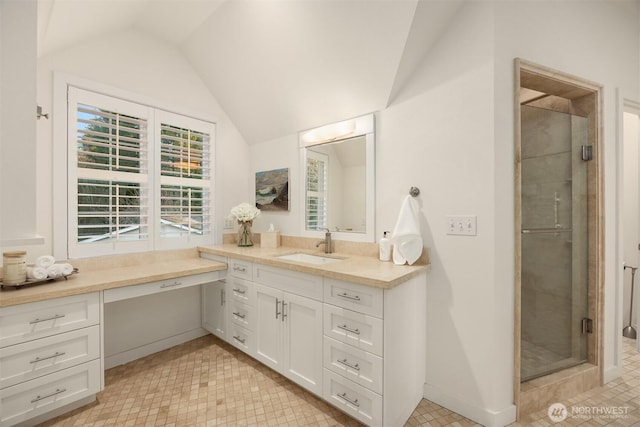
(14, 268)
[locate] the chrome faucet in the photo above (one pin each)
(326, 242)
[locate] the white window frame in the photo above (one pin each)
(64, 178)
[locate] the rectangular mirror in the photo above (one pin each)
(337, 163)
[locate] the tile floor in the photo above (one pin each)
(207, 382)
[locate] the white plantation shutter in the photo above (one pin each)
(138, 176)
(109, 166)
(316, 191)
(186, 156)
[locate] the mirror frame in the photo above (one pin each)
(359, 126)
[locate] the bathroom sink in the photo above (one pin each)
(308, 258)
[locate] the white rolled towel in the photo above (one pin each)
(59, 270)
(45, 261)
(36, 273)
(54, 271)
(66, 268)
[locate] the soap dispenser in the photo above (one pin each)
(385, 248)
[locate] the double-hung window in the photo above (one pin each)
(139, 178)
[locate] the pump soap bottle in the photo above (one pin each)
(385, 248)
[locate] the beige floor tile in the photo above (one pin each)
(206, 382)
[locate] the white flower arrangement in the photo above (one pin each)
(244, 212)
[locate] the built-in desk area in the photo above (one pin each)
(54, 337)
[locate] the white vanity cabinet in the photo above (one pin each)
(361, 348)
(215, 308)
(374, 349)
(274, 315)
(49, 355)
(289, 324)
(241, 312)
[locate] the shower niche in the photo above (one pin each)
(558, 236)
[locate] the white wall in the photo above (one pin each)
(442, 140)
(631, 205)
(18, 114)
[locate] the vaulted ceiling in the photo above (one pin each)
(275, 66)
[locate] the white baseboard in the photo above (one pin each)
(611, 374)
(154, 347)
(480, 415)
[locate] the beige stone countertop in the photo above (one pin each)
(365, 270)
(104, 273)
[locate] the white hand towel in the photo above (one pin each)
(36, 273)
(45, 261)
(406, 237)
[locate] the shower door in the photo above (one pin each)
(554, 265)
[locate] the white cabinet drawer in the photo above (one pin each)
(241, 314)
(242, 338)
(241, 269)
(302, 284)
(126, 292)
(357, 401)
(357, 365)
(241, 290)
(32, 398)
(25, 322)
(36, 358)
(361, 298)
(357, 329)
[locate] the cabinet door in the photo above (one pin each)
(214, 312)
(268, 333)
(303, 341)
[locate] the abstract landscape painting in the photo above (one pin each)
(272, 190)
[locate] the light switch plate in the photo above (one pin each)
(462, 225)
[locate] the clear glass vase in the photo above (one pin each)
(245, 236)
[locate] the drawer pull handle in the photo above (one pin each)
(239, 268)
(240, 340)
(240, 291)
(40, 359)
(283, 312)
(223, 297)
(54, 317)
(346, 398)
(39, 398)
(348, 329)
(348, 364)
(170, 285)
(351, 297)
(240, 315)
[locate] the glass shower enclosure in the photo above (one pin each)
(554, 251)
